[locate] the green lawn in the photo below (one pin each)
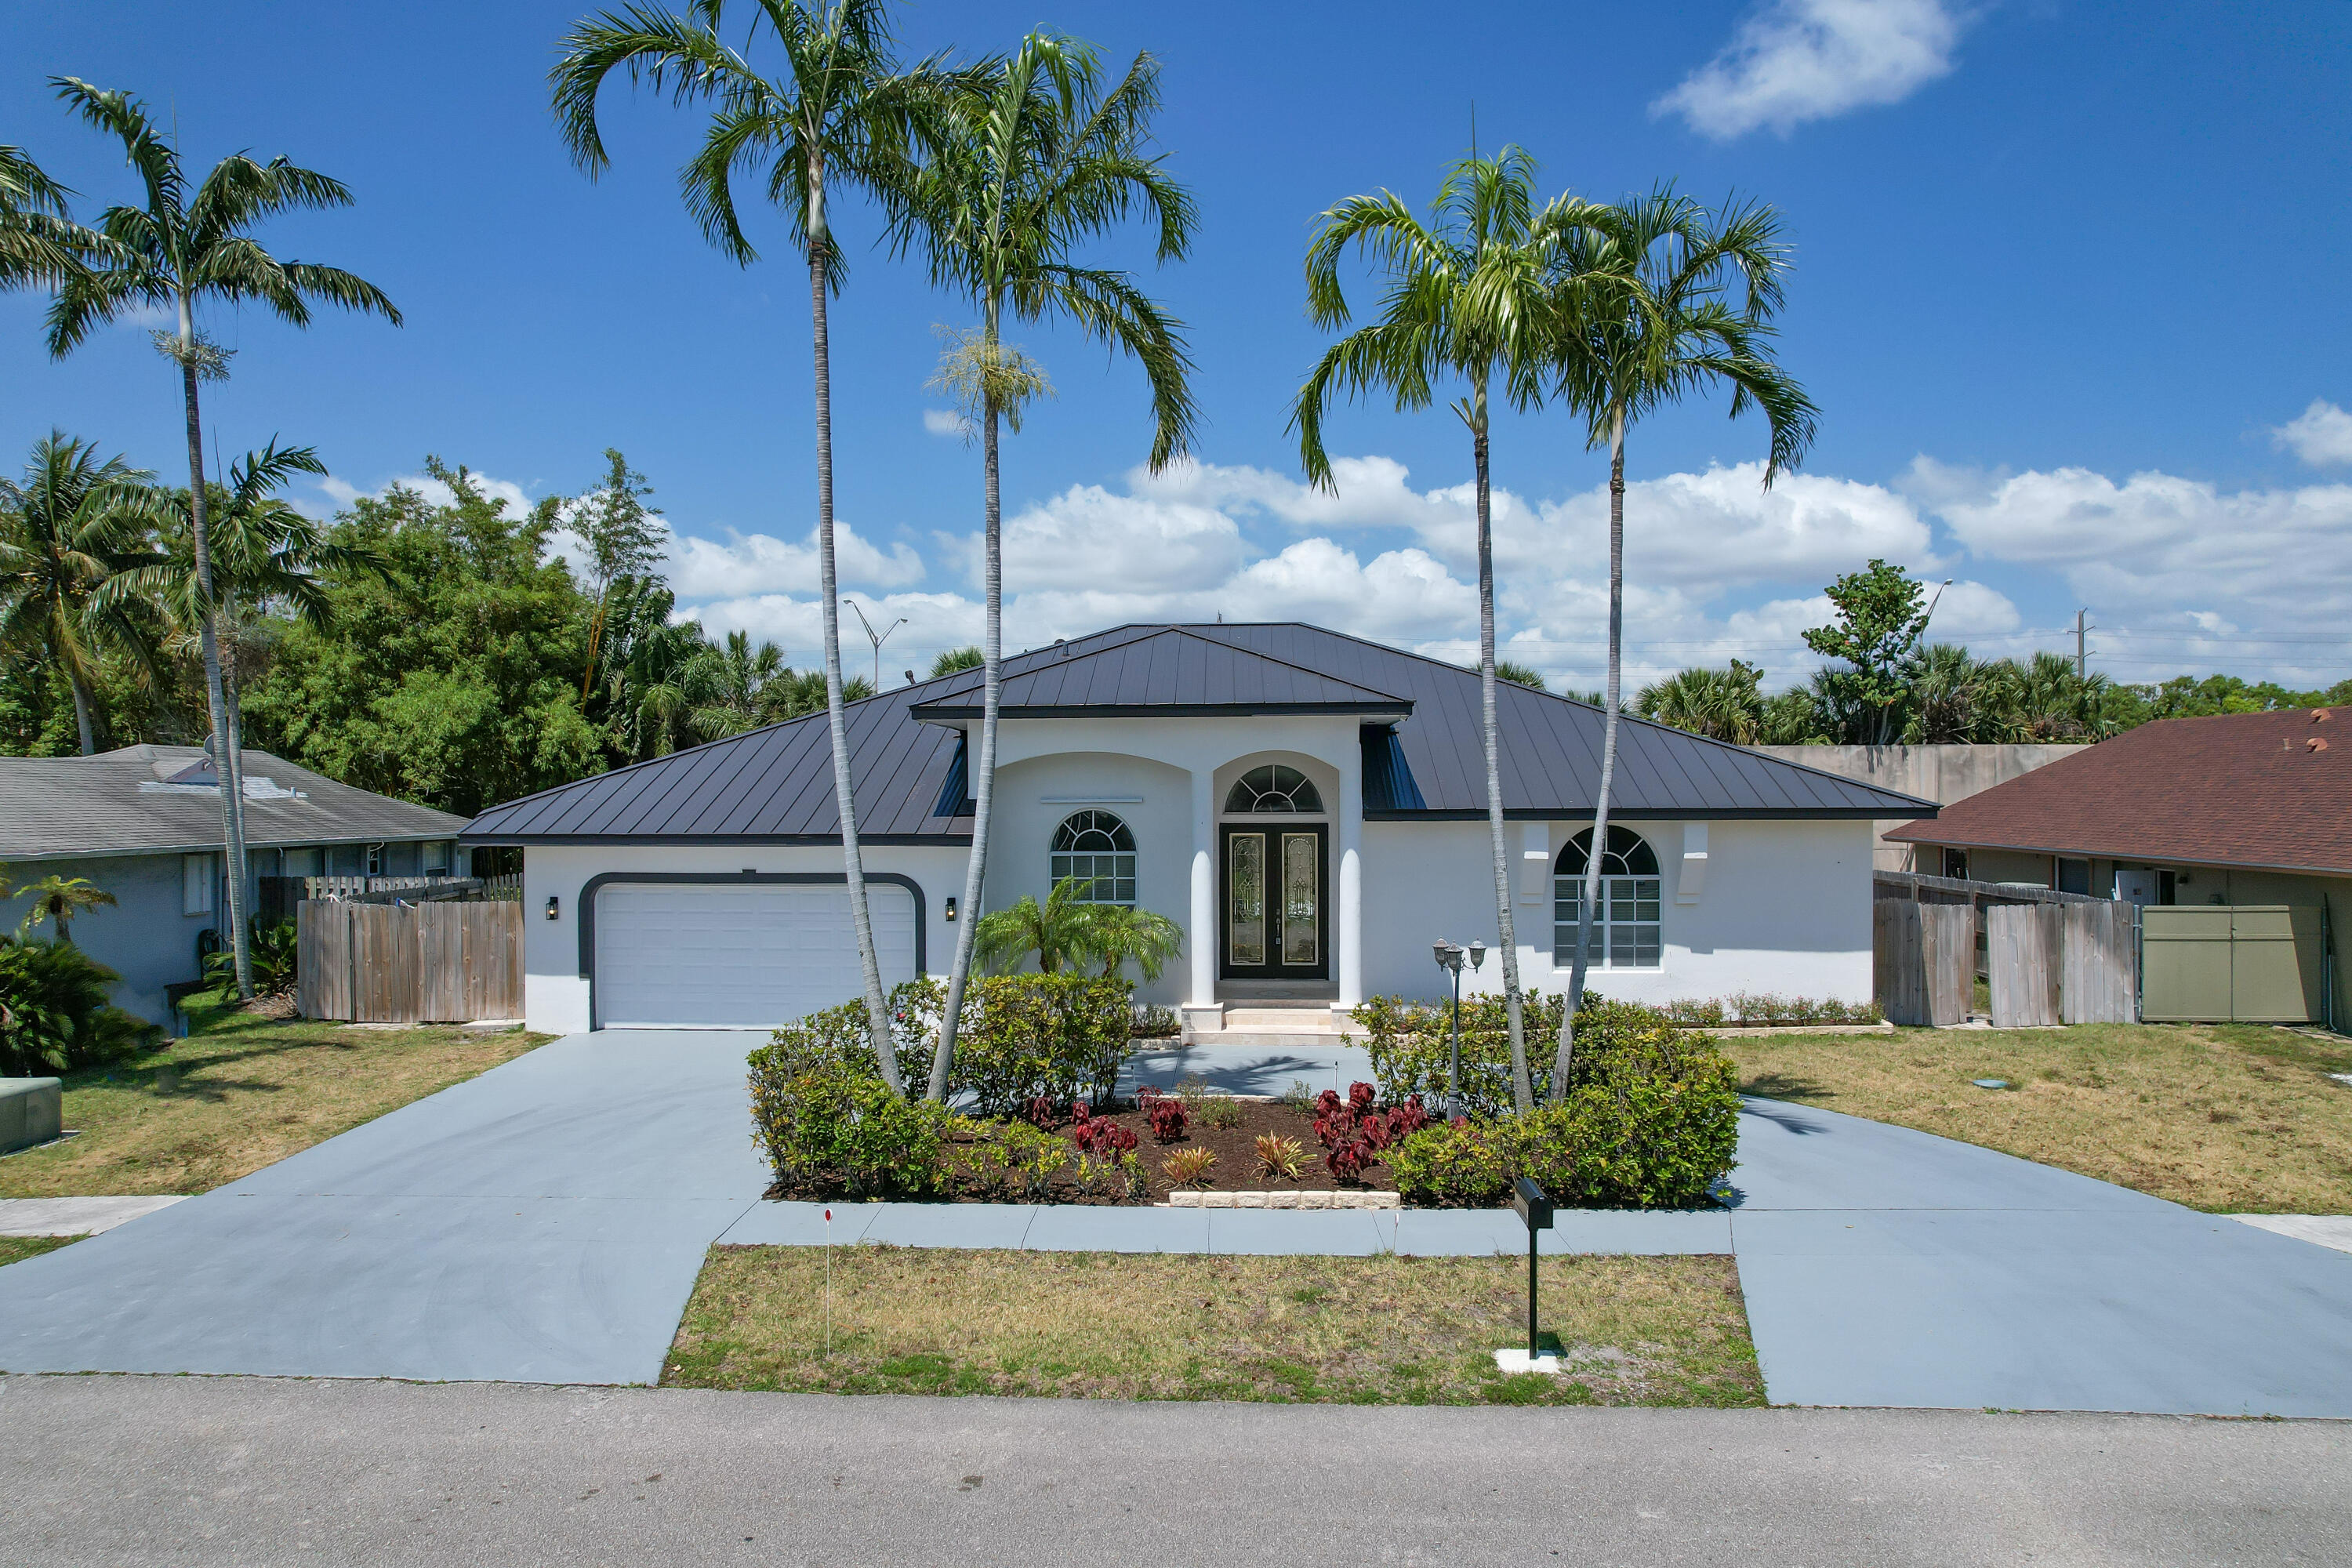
(2230, 1118)
(1361, 1330)
(240, 1092)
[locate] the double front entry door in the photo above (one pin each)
(1273, 879)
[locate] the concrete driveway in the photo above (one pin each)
(544, 1223)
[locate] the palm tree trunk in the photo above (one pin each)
(81, 708)
(225, 763)
(1523, 1094)
(983, 776)
(877, 1006)
(1589, 894)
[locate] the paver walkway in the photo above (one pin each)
(545, 1223)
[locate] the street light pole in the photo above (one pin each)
(877, 640)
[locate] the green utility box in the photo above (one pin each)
(2253, 963)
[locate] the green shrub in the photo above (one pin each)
(272, 948)
(1060, 1037)
(829, 1124)
(55, 1015)
(1743, 1007)
(1410, 1047)
(1651, 1121)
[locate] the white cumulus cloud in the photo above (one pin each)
(752, 564)
(942, 422)
(1795, 60)
(2321, 435)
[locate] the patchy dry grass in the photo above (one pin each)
(1368, 1330)
(17, 1249)
(240, 1092)
(2230, 1118)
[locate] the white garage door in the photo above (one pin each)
(694, 955)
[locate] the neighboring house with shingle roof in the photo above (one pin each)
(2240, 808)
(1309, 808)
(144, 823)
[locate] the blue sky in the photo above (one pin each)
(2068, 288)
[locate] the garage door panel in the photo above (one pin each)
(676, 955)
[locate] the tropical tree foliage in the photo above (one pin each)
(1064, 932)
(183, 247)
(1472, 295)
(836, 110)
(1674, 300)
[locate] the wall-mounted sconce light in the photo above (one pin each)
(552, 907)
(950, 909)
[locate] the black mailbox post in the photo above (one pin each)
(1528, 1200)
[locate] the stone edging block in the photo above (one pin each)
(1285, 1200)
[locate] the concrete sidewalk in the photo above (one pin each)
(76, 1217)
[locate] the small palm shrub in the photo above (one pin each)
(55, 1015)
(273, 949)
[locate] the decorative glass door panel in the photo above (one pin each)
(1274, 881)
(1302, 900)
(1245, 900)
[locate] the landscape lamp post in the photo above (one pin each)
(1449, 959)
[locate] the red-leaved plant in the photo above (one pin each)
(1098, 1137)
(1355, 1131)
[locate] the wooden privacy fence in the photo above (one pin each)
(391, 963)
(1925, 960)
(279, 895)
(2049, 959)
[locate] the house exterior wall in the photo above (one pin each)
(1036, 795)
(555, 994)
(1780, 907)
(1773, 906)
(143, 938)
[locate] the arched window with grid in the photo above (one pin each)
(1276, 789)
(1625, 920)
(1095, 847)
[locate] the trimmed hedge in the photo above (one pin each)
(1057, 1037)
(1409, 1043)
(1650, 1121)
(828, 1124)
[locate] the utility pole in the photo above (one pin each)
(2080, 665)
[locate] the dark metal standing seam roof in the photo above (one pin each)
(775, 785)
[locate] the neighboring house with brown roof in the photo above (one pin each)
(2245, 809)
(144, 823)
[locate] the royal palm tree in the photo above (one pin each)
(1036, 159)
(1470, 295)
(183, 249)
(1686, 304)
(266, 559)
(836, 112)
(39, 242)
(68, 527)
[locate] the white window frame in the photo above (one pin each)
(1096, 866)
(197, 875)
(1628, 925)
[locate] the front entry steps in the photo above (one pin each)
(1269, 1024)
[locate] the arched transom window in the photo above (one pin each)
(1625, 920)
(1274, 788)
(1096, 849)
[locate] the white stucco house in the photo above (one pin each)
(1309, 806)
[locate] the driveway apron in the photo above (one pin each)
(1884, 1266)
(543, 1223)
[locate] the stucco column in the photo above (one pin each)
(1351, 883)
(1205, 924)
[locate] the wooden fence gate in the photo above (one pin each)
(426, 963)
(2100, 964)
(2022, 967)
(1925, 961)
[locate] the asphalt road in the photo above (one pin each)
(186, 1471)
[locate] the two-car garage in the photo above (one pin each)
(752, 953)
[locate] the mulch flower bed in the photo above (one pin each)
(1228, 1128)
